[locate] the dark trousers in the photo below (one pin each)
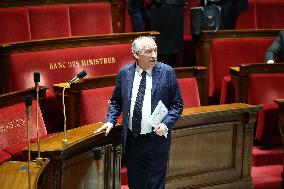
(139, 15)
(146, 168)
(170, 59)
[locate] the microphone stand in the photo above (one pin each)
(29, 152)
(65, 142)
(39, 160)
(74, 80)
(28, 101)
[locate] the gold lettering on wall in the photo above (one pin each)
(58, 65)
(11, 124)
(82, 63)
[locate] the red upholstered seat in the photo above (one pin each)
(247, 18)
(49, 22)
(13, 132)
(14, 25)
(128, 24)
(267, 131)
(227, 91)
(263, 89)
(94, 102)
(94, 105)
(189, 92)
(4, 156)
(270, 14)
(90, 19)
(16, 151)
(225, 53)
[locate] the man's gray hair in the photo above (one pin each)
(136, 47)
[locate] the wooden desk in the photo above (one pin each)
(73, 165)
(211, 147)
(240, 77)
(14, 175)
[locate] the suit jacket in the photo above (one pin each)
(164, 87)
(170, 2)
(236, 5)
(276, 50)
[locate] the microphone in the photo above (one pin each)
(28, 103)
(36, 80)
(97, 153)
(78, 77)
(97, 156)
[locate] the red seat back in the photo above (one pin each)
(49, 22)
(189, 92)
(247, 18)
(14, 25)
(61, 65)
(227, 53)
(264, 88)
(270, 14)
(94, 105)
(13, 123)
(91, 19)
(128, 24)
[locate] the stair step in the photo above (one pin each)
(267, 177)
(263, 157)
(124, 187)
(123, 173)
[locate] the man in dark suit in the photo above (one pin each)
(139, 12)
(146, 146)
(275, 53)
(230, 10)
(167, 18)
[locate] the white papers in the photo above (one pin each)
(158, 115)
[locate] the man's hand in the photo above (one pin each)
(107, 126)
(161, 129)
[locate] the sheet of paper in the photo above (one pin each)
(158, 115)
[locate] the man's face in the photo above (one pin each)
(148, 56)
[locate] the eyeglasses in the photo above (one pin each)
(149, 52)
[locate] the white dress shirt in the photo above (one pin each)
(146, 109)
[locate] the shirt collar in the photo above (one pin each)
(140, 70)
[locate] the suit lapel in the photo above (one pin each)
(130, 78)
(156, 76)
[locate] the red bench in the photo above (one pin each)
(262, 14)
(225, 53)
(229, 48)
(13, 130)
(59, 60)
(261, 84)
(16, 28)
(87, 101)
(53, 21)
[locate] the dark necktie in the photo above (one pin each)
(137, 112)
